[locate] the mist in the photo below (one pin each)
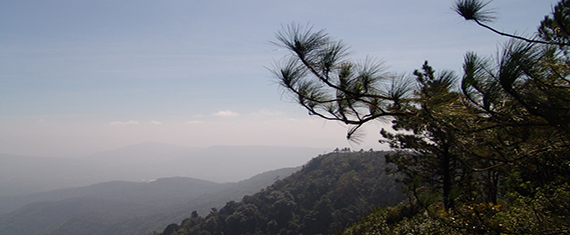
(146, 162)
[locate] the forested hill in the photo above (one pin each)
(329, 193)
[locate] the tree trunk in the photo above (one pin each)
(446, 173)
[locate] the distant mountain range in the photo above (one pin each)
(22, 175)
(121, 207)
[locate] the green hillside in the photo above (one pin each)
(330, 192)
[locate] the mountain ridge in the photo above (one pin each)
(109, 207)
(330, 192)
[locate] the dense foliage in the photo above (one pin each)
(487, 151)
(329, 193)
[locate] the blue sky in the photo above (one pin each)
(77, 77)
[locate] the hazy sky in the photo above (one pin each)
(78, 76)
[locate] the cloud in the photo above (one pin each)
(155, 122)
(226, 113)
(119, 123)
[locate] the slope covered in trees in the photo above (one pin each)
(329, 193)
(487, 151)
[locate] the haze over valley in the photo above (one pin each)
(153, 182)
(146, 162)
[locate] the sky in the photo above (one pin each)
(79, 77)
